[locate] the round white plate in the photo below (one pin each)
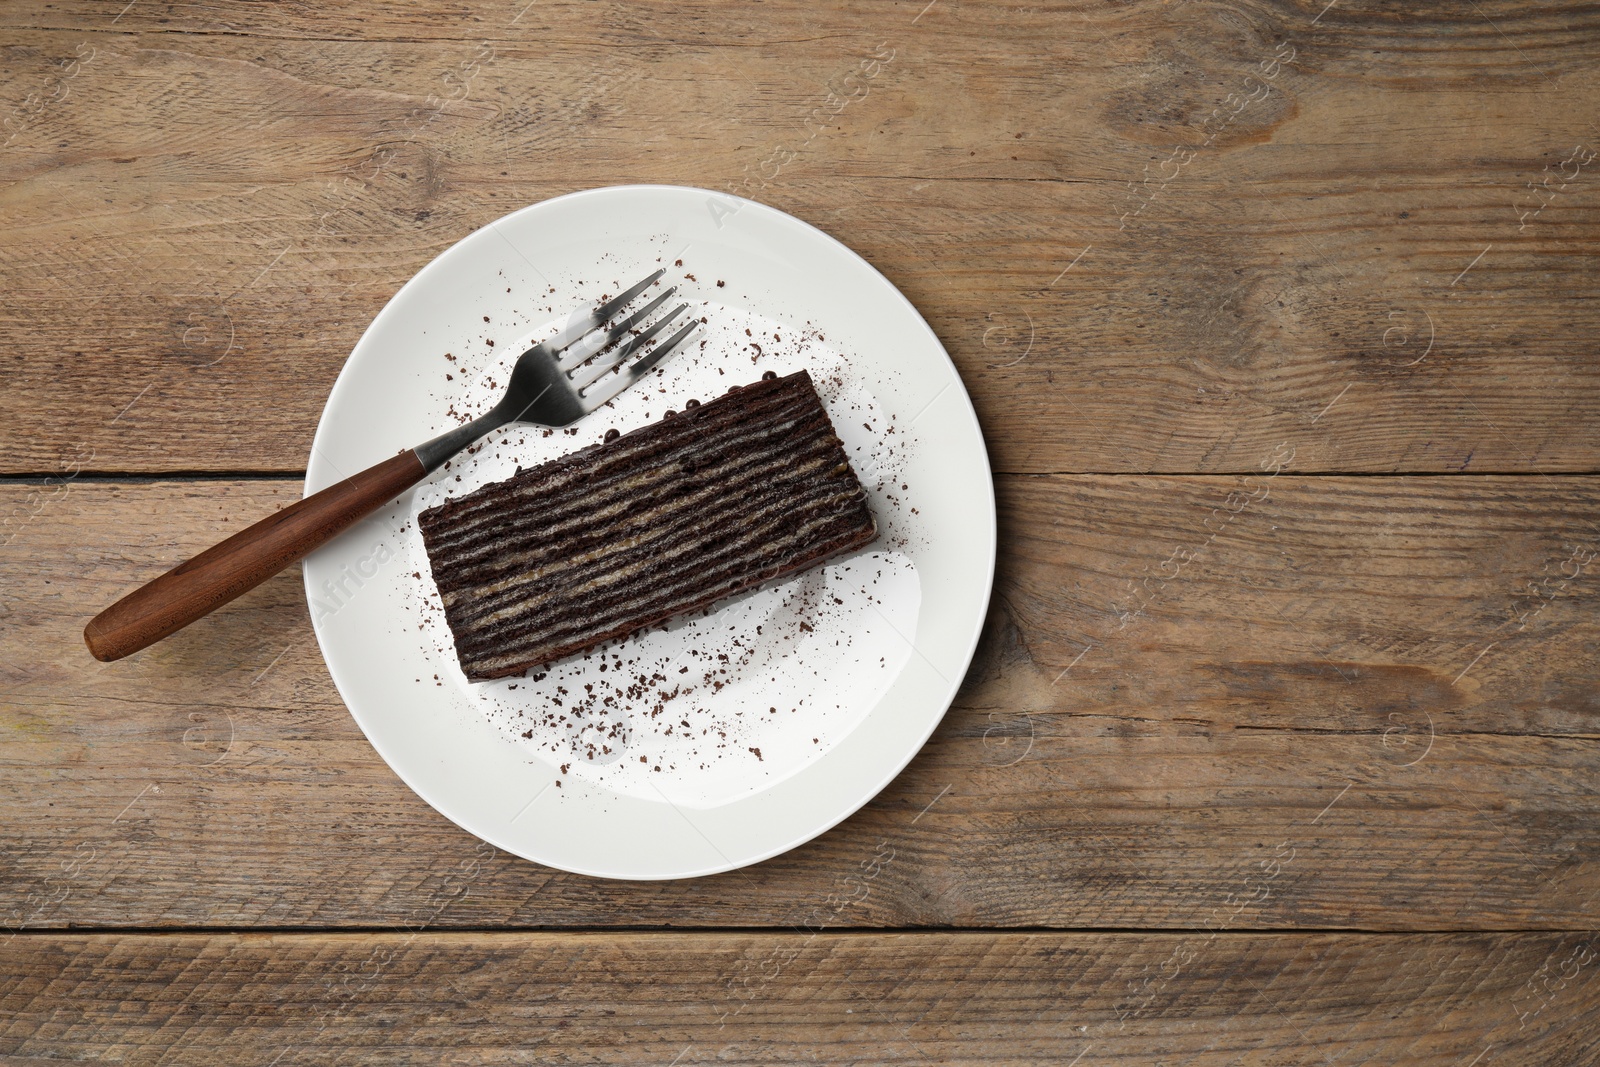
(734, 736)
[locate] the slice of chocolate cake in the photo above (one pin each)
(665, 520)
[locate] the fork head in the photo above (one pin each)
(588, 362)
(560, 380)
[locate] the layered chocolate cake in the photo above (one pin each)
(665, 520)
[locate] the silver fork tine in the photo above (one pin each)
(617, 303)
(566, 362)
(633, 344)
(579, 325)
(660, 352)
(630, 375)
(589, 375)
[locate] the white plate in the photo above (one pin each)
(801, 724)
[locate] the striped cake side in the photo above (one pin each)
(667, 519)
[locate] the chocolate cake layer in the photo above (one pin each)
(664, 520)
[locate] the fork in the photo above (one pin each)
(555, 383)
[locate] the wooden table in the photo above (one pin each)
(1281, 743)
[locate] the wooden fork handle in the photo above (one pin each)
(245, 560)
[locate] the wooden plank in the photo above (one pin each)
(1212, 703)
(200, 223)
(979, 998)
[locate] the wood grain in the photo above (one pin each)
(1360, 703)
(981, 998)
(1133, 270)
(1259, 761)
